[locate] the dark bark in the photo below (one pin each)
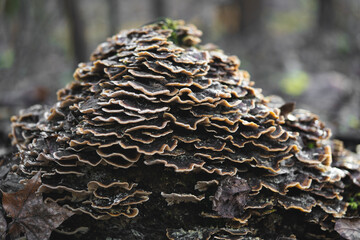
(251, 11)
(326, 14)
(76, 29)
(239, 16)
(158, 8)
(113, 14)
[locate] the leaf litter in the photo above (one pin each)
(30, 214)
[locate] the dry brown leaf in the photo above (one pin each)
(3, 225)
(348, 228)
(30, 215)
(231, 197)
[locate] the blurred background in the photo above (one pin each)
(307, 51)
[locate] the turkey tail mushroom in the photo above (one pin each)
(153, 114)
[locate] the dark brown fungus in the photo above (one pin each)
(175, 198)
(196, 234)
(202, 186)
(287, 108)
(155, 116)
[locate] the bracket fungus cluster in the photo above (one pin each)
(160, 132)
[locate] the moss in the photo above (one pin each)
(353, 205)
(311, 145)
(173, 25)
(354, 201)
(168, 24)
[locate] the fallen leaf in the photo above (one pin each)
(348, 228)
(231, 197)
(3, 225)
(30, 215)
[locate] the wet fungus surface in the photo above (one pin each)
(160, 132)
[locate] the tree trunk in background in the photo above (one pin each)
(76, 28)
(239, 16)
(158, 8)
(113, 13)
(251, 11)
(326, 14)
